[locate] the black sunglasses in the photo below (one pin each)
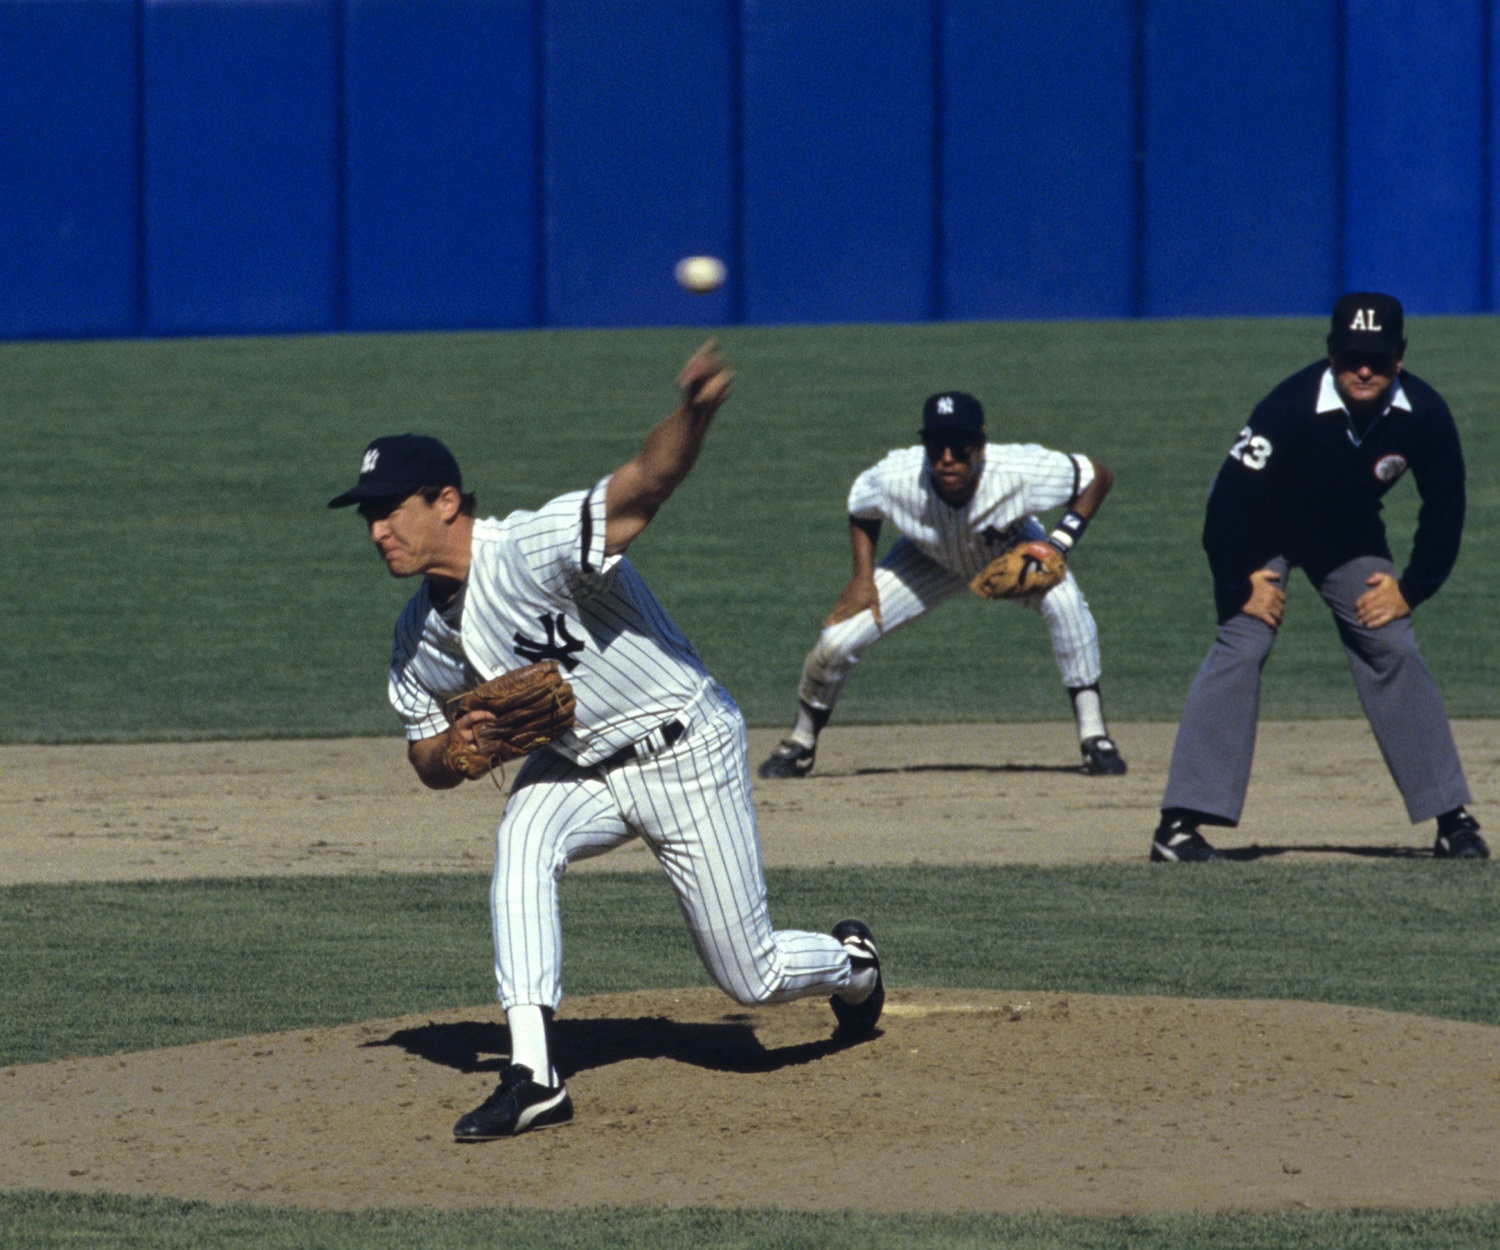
(1377, 361)
(962, 448)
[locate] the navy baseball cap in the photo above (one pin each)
(1369, 322)
(952, 414)
(398, 464)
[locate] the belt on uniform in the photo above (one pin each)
(654, 743)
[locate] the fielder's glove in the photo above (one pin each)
(532, 706)
(1028, 569)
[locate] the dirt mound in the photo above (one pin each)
(965, 1102)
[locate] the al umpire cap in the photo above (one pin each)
(1367, 321)
(398, 464)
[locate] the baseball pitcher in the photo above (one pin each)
(623, 732)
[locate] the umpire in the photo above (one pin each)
(1302, 486)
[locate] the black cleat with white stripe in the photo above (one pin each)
(859, 1019)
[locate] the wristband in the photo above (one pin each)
(1069, 530)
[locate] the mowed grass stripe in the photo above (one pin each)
(94, 969)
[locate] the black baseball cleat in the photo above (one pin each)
(859, 1019)
(517, 1105)
(1177, 841)
(1101, 757)
(1458, 837)
(790, 759)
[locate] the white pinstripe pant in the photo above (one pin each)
(911, 583)
(691, 805)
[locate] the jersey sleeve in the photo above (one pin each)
(565, 538)
(421, 712)
(1440, 478)
(1239, 524)
(867, 500)
(1053, 478)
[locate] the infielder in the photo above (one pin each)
(658, 750)
(1302, 486)
(957, 502)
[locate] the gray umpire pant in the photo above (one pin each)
(1211, 760)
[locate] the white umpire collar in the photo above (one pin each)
(1329, 399)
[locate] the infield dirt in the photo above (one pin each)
(1025, 1100)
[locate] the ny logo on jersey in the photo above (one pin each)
(564, 651)
(1364, 319)
(367, 465)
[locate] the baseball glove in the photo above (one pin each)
(1029, 569)
(532, 706)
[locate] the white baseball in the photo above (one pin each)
(700, 274)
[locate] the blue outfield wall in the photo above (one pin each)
(274, 166)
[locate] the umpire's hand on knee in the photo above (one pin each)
(1382, 603)
(1267, 599)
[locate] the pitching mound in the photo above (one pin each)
(964, 1102)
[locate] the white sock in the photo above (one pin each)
(528, 1042)
(861, 985)
(810, 722)
(1089, 710)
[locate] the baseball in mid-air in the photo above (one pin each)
(700, 274)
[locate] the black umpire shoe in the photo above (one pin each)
(790, 759)
(859, 1019)
(1177, 841)
(517, 1105)
(1458, 837)
(1101, 757)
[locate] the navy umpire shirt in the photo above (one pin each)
(1300, 483)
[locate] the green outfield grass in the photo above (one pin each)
(173, 572)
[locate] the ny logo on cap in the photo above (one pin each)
(1364, 319)
(367, 465)
(945, 405)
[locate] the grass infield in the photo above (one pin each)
(283, 953)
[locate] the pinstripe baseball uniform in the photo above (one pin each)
(941, 547)
(658, 752)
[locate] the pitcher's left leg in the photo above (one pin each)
(694, 810)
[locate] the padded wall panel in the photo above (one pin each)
(1038, 183)
(1416, 171)
(638, 149)
(242, 187)
(440, 174)
(840, 161)
(68, 212)
(1491, 300)
(1242, 210)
